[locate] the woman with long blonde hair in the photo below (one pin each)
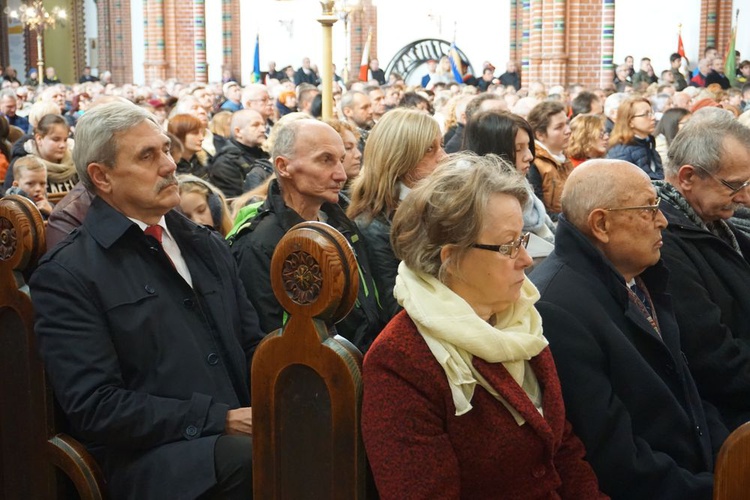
(404, 147)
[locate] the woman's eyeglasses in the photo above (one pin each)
(509, 249)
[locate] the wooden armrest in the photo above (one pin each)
(74, 460)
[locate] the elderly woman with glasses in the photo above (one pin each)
(461, 396)
(632, 137)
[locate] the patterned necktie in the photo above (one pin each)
(643, 303)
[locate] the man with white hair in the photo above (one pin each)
(706, 180)
(611, 104)
(255, 96)
(307, 157)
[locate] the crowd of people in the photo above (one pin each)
(552, 299)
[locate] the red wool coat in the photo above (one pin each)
(419, 448)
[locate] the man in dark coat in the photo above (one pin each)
(242, 161)
(307, 159)
(706, 180)
(305, 74)
(145, 330)
(627, 389)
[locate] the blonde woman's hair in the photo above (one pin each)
(622, 133)
(219, 124)
(192, 184)
(585, 131)
(449, 208)
(394, 147)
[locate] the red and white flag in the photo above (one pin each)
(364, 67)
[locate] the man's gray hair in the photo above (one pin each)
(8, 93)
(700, 142)
(252, 91)
(97, 134)
(347, 100)
(286, 139)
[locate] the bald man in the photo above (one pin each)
(616, 343)
(242, 165)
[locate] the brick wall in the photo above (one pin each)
(359, 23)
(115, 40)
(716, 24)
(231, 38)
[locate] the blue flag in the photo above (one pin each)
(455, 60)
(256, 61)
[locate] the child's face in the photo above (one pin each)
(34, 183)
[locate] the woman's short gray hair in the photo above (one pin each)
(97, 134)
(448, 208)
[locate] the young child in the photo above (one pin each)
(30, 180)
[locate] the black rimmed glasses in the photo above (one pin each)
(509, 249)
(647, 114)
(653, 209)
(734, 187)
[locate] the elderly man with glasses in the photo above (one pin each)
(627, 388)
(706, 180)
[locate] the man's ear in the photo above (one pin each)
(599, 225)
(281, 165)
(100, 177)
(686, 178)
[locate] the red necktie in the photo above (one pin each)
(156, 232)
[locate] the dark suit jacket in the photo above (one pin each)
(419, 449)
(144, 366)
(628, 394)
(711, 289)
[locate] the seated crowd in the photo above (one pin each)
(552, 294)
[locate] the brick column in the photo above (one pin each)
(155, 63)
(535, 40)
(716, 25)
(607, 70)
(114, 35)
(526, 42)
(231, 37)
(558, 58)
(199, 41)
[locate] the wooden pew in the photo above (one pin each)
(34, 455)
(306, 381)
(732, 472)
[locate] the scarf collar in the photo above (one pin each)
(56, 172)
(455, 334)
(559, 158)
(719, 228)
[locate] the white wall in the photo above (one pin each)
(89, 15)
(645, 28)
(213, 40)
(138, 35)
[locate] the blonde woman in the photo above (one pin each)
(403, 148)
(203, 203)
(588, 138)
